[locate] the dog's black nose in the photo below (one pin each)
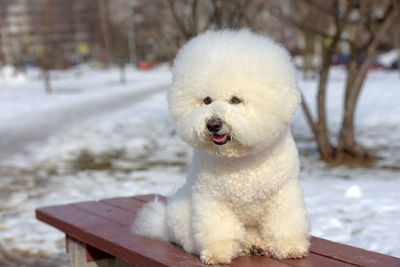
(214, 125)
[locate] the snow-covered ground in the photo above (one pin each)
(134, 150)
(77, 93)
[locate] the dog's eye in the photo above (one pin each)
(207, 100)
(235, 100)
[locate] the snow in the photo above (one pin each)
(353, 192)
(341, 213)
(380, 94)
(133, 149)
(79, 92)
(8, 75)
(388, 58)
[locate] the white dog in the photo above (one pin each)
(233, 96)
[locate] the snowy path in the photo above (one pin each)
(29, 115)
(16, 137)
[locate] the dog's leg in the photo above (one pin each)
(285, 227)
(217, 231)
(254, 243)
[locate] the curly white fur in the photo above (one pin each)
(245, 192)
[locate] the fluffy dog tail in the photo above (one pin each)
(151, 221)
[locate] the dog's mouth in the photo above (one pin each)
(221, 139)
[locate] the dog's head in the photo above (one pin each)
(233, 93)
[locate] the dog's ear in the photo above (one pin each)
(281, 102)
(293, 101)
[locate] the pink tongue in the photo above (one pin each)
(219, 138)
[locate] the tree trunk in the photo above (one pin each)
(308, 54)
(325, 148)
(396, 33)
(5, 52)
(351, 72)
(122, 71)
(346, 144)
(308, 115)
(132, 35)
(47, 42)
(179, 20)
(105, 29)
(398, 59)
(47, 84)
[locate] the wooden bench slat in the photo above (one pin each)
(126, 203)
(348, 254)
(133, 205)
(109, 212)
(111, 209)
(105, 225)
(351, 254)
(100, 209)
(316, 260)
(256, 261)
(79, 224)
(115, 239)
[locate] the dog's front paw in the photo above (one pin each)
(259, 250)
(219, 252)
(289, 248)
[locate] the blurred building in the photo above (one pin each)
(68, 31)
(28, 27)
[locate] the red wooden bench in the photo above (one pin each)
(98, 234)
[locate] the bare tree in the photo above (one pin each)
(357, 24)
(47, 44)
(375, 28)
(186, 17)
(105, 26)
(116, 24)
(396, 34)
(235, 13)
(162, 27)
(193, 16)
(4, 54)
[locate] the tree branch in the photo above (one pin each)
(339, 22)
(308, 114)
(300, 25)
(178, 20)
(390, 17)
(194, 17)
(318, 6)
